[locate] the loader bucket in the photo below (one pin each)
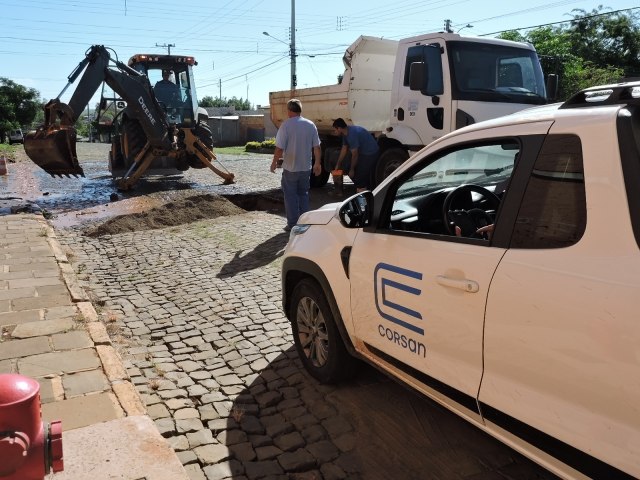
(54, 150)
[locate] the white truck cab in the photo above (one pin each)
(442, 81)
(410, 92)
(496, 272)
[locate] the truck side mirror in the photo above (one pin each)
(417, 75)
(552, 86)
(426, 76)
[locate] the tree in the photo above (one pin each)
(237, 103)
(591, 49)
(19, 106)
(611, 40)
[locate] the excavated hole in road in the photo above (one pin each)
(189, 209)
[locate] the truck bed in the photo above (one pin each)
(362, 98)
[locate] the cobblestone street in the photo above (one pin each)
(195, 312)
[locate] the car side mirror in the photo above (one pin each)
(356, 211)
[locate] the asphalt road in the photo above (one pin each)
(194, 311)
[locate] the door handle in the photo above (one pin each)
(469, 286)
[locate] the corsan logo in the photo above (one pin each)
(392, 285)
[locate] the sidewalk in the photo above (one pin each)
(50, 331)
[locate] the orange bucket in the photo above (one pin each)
(337, 176)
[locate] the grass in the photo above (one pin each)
(231, 150)
(240, 150)
(9, 151)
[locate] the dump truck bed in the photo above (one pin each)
(362, 98)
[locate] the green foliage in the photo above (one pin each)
(19, 105)
(268, 145)
(607, 40)
(237, 103)
(8, 151)
(591, 49)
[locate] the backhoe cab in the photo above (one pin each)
(158, 126)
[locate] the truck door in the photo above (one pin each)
(561, 332)
(422, 113)
(425, 312)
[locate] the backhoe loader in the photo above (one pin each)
(159, 130)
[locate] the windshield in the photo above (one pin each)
(495, 73)
(484, 165)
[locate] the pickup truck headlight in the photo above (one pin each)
(298, 230)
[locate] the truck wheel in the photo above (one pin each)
(321, 180)
(116, 164)
(316, 336)
(203, 132)
(133, 140)
(389, 161)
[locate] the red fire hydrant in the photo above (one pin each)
(29, 449)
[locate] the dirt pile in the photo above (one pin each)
(178, 212)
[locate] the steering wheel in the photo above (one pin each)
(468, 220)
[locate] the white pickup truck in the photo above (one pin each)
(497, 272)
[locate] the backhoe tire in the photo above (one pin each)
(203, 132)
(133, 140)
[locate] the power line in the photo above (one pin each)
(564, 21)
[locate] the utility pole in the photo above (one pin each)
(294, 80)
(167, 46)
(220, 85)
(447, 26)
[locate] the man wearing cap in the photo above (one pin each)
(297, 138)
(166, 91)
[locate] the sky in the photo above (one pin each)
(41, 42)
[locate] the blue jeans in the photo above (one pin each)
(295, 187)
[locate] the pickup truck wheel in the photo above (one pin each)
(389, 160)
(316, 336)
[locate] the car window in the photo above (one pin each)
(461, 188)
(553, 213)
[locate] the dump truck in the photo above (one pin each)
(409, 93)
(158, 130)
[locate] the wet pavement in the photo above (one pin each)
(195, 312)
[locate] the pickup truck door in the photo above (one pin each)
(418, 293)
(561, 335)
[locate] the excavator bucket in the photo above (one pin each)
(54, 150)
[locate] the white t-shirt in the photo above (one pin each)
(296, 137)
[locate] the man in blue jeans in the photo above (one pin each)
(364, 153)
(297, 137)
